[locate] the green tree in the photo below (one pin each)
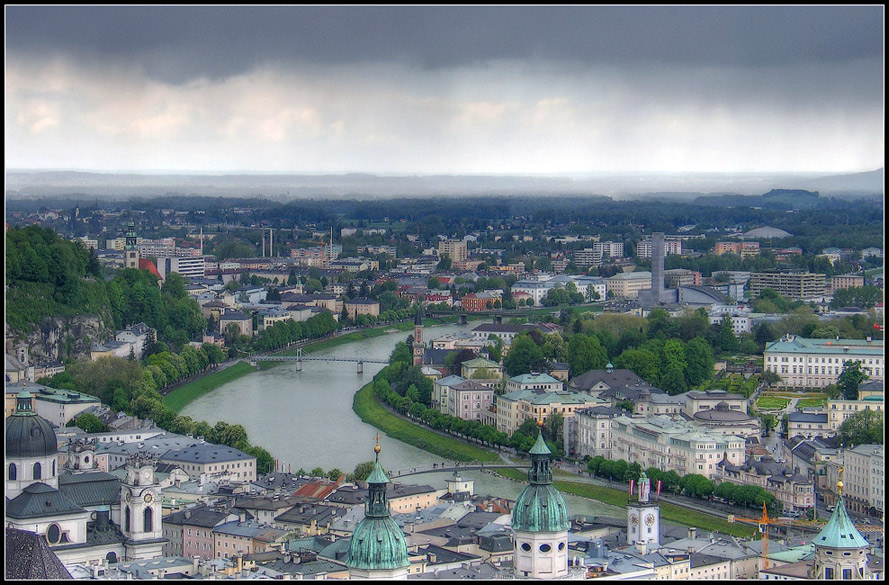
(726, 338)
(334, 474)
(317, 472)
(90, 423)
(699, 356)
(265, 463)
(862, 428)
(524, 355)
(851, 378)
(642, 362)
(585, 353)
(362, 471)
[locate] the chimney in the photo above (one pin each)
(692, 532)
(194, 564)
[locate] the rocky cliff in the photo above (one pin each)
(57, 338)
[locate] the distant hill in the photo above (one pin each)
(30, 184)
(847, 186)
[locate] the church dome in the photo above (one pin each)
(540, 507)
(29, 435)
(840, 531)
(377, 543)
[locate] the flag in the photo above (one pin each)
(632, 486)
(658, 487)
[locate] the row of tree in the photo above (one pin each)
(128, 386)
(692, 484)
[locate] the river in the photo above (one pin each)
(305, 418)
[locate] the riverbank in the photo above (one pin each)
(179, 398)
(368, 408)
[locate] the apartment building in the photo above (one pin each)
(595, 255)
(671, 246)
(795, 285)
(815, 363)
(681, 446)
(627, 285)
(470, 400)
(839, 410)
(454, 249)
(187, 266)
(842, 281)
(514, 408)
(864, 479)
(742, 249)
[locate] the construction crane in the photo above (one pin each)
(763, 522)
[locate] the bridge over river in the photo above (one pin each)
(299, 358)
(449, 466)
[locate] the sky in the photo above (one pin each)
(445, 89)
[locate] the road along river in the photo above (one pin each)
(305, 418)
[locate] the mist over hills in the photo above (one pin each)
(31, 184)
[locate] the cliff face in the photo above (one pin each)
(57, 338)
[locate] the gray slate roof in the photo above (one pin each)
(206, 453)
(37, 500)
(613, 379)
(90, 489)
(28, 556)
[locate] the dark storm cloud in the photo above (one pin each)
(177, 44)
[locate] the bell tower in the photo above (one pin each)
(140, 510)
(643, 517)
(540, 521)
(131, 248)
(419, 348)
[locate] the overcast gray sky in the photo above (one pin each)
(460, 89)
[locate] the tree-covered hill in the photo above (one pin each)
(49, 277)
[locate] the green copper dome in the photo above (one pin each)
(377, 542)
(540, 507)
(840, 531)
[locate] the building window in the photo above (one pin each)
(148, 519)
(13, 471)
(126, 523)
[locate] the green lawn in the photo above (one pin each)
(769, 402)
(368, 408)
(811, 403)
(178, 398)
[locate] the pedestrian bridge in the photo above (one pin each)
(299, 358)
(456, 467)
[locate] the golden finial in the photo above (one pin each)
(539, 423)
(840, 480)
(377, 446)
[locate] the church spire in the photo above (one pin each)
(377, 549)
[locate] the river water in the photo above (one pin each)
(305, 419)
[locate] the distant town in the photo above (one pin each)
(712, 368)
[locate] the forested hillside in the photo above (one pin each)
(50, 279)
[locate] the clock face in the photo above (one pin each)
(634, 519)
(649, 520)
(128, 497)
(148, 497)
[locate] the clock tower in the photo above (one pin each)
(419, 348)
(140, 510)
(643, 517)
(131, 248)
